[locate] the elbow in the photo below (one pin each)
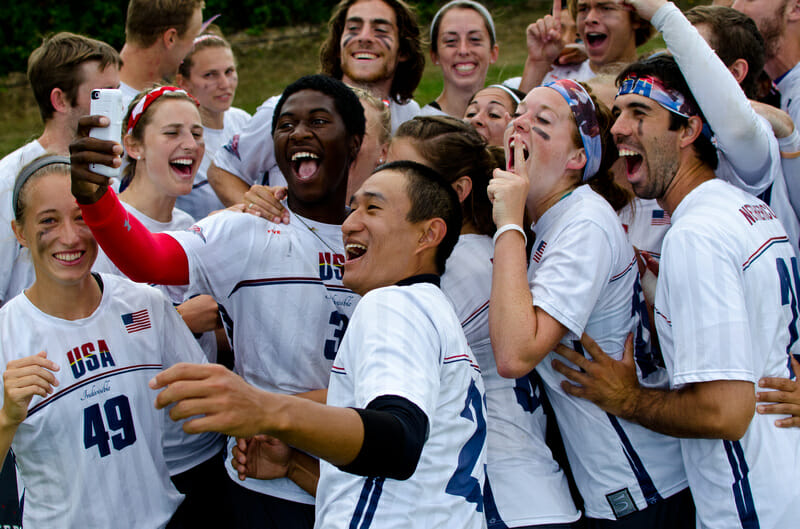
(512, 364)
(732, 423)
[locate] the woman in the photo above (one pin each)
(77, 409)
(490, 111)
(164, 145)
(463, 44)
(525, 485)
(208, 72)
(581, 278)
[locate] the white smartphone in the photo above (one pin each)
(107, 102)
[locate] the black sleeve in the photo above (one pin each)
(395, 429)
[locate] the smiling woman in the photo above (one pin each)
(77, 349)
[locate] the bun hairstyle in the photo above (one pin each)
(211, 39)
(455, 149)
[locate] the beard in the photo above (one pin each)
(772, 30)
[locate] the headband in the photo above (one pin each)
(29, 170)
(207, 23)
(654, 89)
(487, 17)
(148, 100)
(510, 92)
(206, 36)
(585, 113)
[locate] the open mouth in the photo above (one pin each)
(68, 258)
(593, 40)
(633, 160)
(511, 159)
(305, 164)
(354, 250)
(182, 166)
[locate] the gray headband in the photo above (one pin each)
(29, 170)
(466, 3)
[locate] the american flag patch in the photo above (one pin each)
(136, 321)
(660, 218)
(537, 255)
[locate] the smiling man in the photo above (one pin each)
(725, 312)
(373, 44)
(402, 437)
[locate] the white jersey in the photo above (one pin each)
(749, 155)
(726, 310)
(249, 153)
(203, 200)
(525, 486)
(16, 270)
(184, 451)
(581, 72)
(583, 273)
(431, 110)
(90, 453)
(789, 86)
(402, 112)
(407, 341)
(645, 223)
(279, 288)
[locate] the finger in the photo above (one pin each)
(795, 366)
(39, 359)
(573, 356)
(651, 263)
(591, 347)
(519, 161)
(557, 12)
(790, 422)
(782, 384)
(87, 123)
(181, 371)
(778, 409)
(572, 374)
(627, 351)
(27, 375)
(572, 389)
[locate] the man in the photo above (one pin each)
(779, 24)
(374, 44)
(724, 303)
(403, 434)
(158, 35)
(62, 71)
(610, 32)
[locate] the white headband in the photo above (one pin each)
(469, 4)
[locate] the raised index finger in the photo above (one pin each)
(557, 13)
(519, 160)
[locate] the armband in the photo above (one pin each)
(510, 227)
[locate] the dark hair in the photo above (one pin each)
(138, 130)
(409, 71)
(45, 164)
(344, 99)
(734, 36)
(56, 64)
(455, 149)
(149, 19)
(431, 197)
(664, 68)
(603, 180)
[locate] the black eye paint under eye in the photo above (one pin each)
(540, 132)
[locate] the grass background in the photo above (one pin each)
(270, 61)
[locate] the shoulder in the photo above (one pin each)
(180, 219)
(14, 161)
(235, 119)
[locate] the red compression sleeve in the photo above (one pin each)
(139, 254)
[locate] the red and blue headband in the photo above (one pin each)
(654, 89)
(585, 113)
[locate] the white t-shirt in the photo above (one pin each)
(203, 200)
(749, 155)
(406, 341)
(91, 452)
(184, 450)
(402, 113)
(583, 273)
(129, 93)
(279, 288)
(16, 272)
(726, 310)
(527, 485)
(430, 110)
(580, 72)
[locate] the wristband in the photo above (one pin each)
(509, 227)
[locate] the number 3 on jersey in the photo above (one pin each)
(120, 420)
(463, 483)
(339, 322)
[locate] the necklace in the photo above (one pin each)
(313, 231)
